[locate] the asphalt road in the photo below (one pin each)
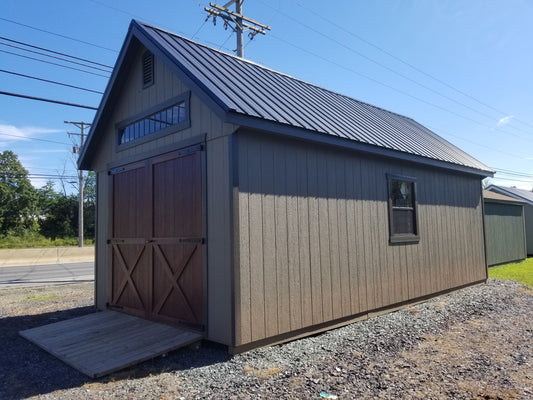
(49, 274)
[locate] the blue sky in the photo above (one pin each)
(461, 68)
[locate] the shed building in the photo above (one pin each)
(254, 207)
(527, 197)
(505, 232)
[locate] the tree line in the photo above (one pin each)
(27, 211)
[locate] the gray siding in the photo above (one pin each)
(504, 232)
(313, 247)
(528, 210)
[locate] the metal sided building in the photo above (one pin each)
(254, 207)
(505, 228)
(526, 197)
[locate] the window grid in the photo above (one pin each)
(402, 209)
(153, 123)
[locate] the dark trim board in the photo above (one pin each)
(104, 342)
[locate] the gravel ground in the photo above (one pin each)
(476, 343)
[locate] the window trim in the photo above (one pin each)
(403, 237)
(184, 97)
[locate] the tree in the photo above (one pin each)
(18, 198)
(89, 205)
(58, 216)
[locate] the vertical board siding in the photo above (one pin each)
(136, 100)
(528, 210)
(102, 234)
(219, 253)
(504, 225)
(314, 236)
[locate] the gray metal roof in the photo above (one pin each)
(249, 94)
(520, 194)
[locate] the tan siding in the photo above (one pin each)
(135, 101)
(219, 256)
(102, 234)
(255, 210)
(243, 296)
(317, 235)
(281, 241)
(304, 250)
(295, 281)
(314, 238)
(333, 240)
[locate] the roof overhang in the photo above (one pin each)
(135, 37)
(503, 190)
(266, 126)
(155, 42)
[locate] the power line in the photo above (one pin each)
(55, 57)
(360, 54)
(58, 34)
(53, 63)
(49, 81)
(48, 100)
(515, 173)
(513, 180)
(55, 52)
(169, 28)
(409, 64)
(399, 74)
(32, 138)
(395, 89)
(442, 133)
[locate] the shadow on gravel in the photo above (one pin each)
(26, 370)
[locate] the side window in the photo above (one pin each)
(403, 224)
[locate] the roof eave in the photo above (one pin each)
(301, 133)
(502, 190)
(125, 51)
(137, 32)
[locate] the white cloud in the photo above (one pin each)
(505, 120)
(22, 133)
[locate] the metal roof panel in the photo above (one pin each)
(256, 95)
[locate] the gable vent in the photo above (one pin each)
(148, 69)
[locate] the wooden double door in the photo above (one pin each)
(157, 238)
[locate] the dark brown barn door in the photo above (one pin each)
(157, 238)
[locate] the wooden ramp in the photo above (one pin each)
(104, 342)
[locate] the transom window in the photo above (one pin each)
(174, 115)
(402, 209)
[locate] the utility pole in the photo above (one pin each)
(236, 21)
(76, 150)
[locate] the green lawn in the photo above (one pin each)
(521, 272)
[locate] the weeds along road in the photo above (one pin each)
(48, 274)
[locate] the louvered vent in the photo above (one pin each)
(148, 69)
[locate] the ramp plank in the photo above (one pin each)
(104, 342)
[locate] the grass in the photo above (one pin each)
(35, 240)
(44, 297)
(521, 272)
